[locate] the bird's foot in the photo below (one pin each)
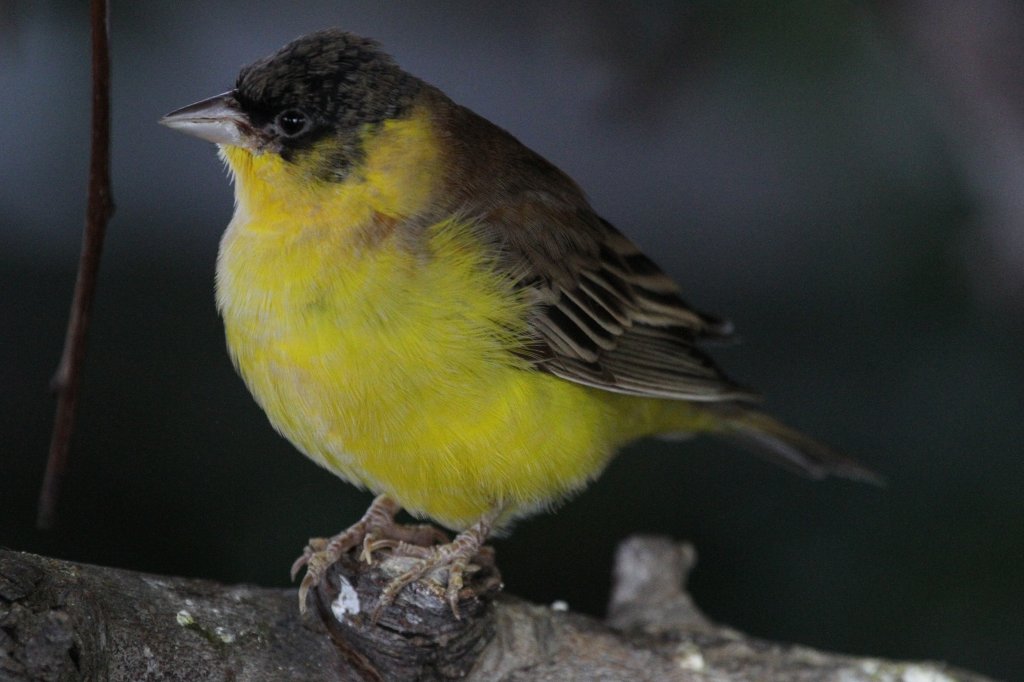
(376, 529)
(465, 554)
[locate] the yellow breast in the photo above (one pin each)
(384, 348)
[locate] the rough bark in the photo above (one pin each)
(67, 621)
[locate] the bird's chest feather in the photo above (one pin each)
(308, 330)
(391, 350)
(361, 339)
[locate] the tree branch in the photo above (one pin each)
(67, 377)
(60, 620)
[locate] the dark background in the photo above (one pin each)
(842, 180)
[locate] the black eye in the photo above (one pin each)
(292, 122)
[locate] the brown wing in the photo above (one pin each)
(604, 314)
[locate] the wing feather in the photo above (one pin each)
(601, 312)
(604, 314)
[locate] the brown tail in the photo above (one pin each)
(788, 447)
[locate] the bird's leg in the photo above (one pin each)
(377, 523)
(420, 536)
(454, 557)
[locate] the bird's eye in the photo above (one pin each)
(292, 122)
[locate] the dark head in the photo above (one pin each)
(327, 83)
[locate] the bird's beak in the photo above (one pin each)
(217, 119)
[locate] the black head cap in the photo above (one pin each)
(325, 81)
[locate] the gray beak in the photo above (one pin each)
(217, 119)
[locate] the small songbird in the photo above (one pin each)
(432, 311)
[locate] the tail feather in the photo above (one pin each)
(783, 445)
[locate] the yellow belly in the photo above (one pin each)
(391, 363)
(399, 376)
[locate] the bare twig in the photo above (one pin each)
(66, 380)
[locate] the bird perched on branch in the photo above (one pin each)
(431, 310)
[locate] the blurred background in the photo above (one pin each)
(842, 180)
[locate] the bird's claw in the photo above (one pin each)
(430, 548)
(320, 554)
(454, 558)
(375, 531)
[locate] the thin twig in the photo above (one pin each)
(66, 380)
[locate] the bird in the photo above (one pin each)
(434, 312)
